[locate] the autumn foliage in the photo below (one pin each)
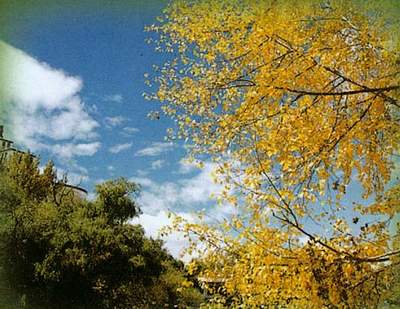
(296, 102)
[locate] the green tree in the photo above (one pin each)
(114, 200)
(61, 250)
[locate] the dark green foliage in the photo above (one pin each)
(114, 199)
(61, 251)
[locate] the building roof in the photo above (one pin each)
(14, 149)
(6, 140)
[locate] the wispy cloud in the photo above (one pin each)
(157, 164)
(67, 151)
(143, 181)
(119, 147)
(142, 172)
(114, 121)
(155, 149)
(186, 167)
(129, 131)
(117, 98)
(47, 111)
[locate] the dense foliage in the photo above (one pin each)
(59, 250)
(295, 101)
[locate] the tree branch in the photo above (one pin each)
(350, 92)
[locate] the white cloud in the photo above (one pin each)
(186, 167)
(155, 149)
(117, 98)
(75, 177)
(143, 181)
(119, 147)
(129, 131)
(181, 197)
(114, 121)
(199, 188)
(68, 150)
(47, 111)
(152, 224)
(76, 167)
(99, 181)
(91, 196)
(157, 164)
(142, 173)
(193, 191)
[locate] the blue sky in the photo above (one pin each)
(74, 79)
(105, 48)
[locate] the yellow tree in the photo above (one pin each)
(295, 102)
